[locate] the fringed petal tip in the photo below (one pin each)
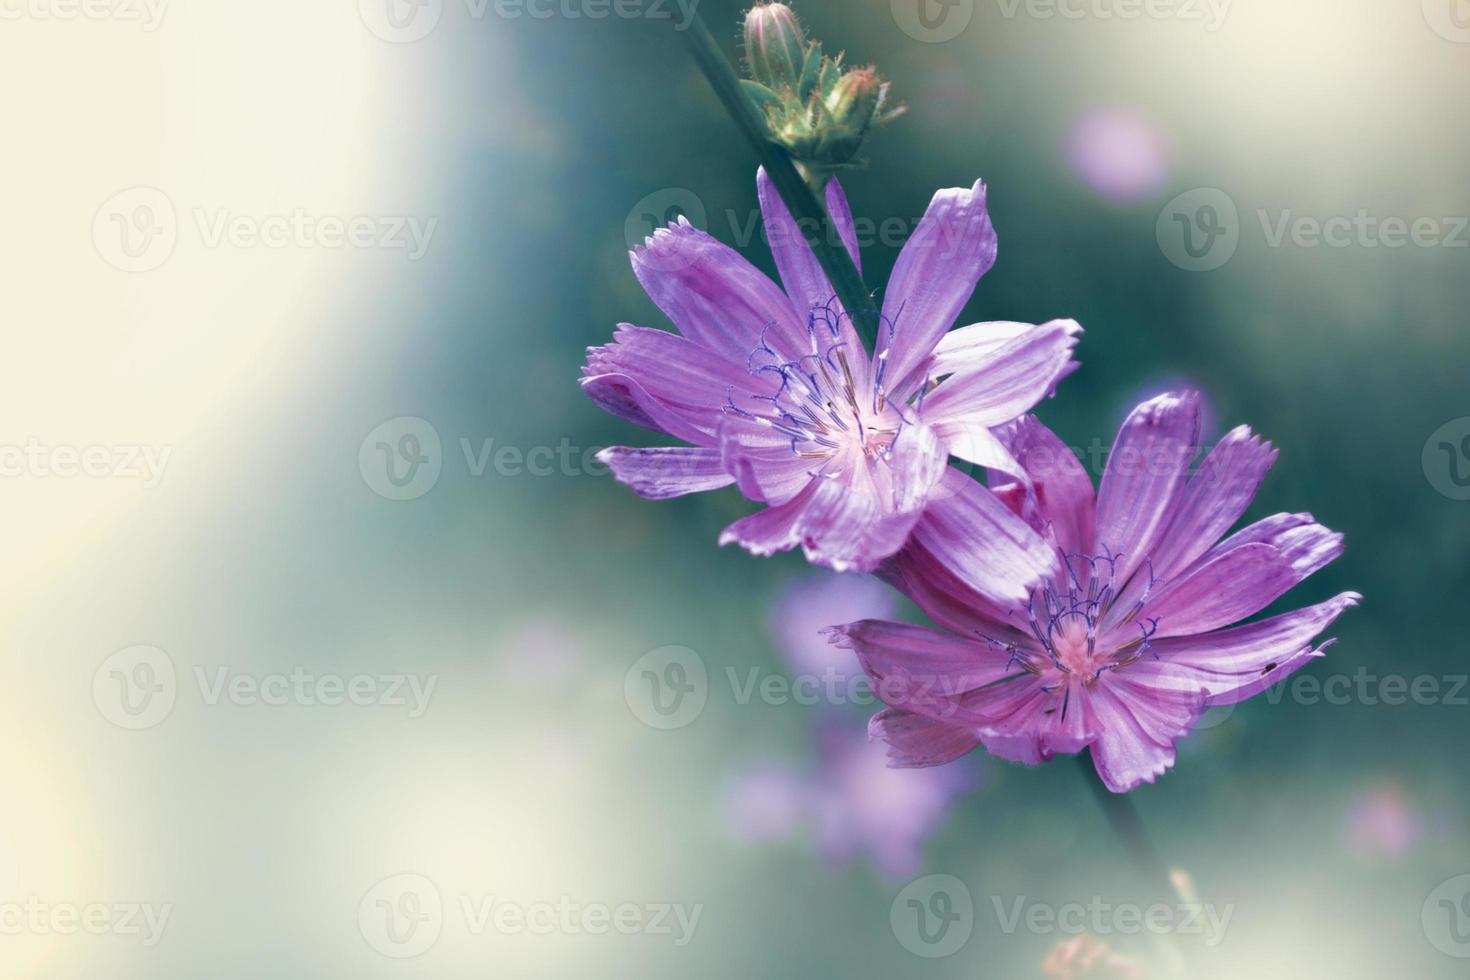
(603, 358)
(669, 236)
(840, 636)
(1074, 332)
(758, 548)
(595, 364)
(1146, 777)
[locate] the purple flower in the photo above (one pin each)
(1383, 823)
(778, 396)
(846, 803)
(802, 614)
(1120, 154)
(1125, 647)
(862, 806)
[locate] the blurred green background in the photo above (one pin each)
(1331, 830)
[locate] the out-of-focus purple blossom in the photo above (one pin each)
(811, 605)
(846, 803)
(864, 808)
(1383, 823)
(1118, 153)
(1132, 641)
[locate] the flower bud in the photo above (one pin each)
(855, 99)
(775, 46)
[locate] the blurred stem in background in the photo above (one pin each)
(1127, 823)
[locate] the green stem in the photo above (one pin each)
(1124, 818)
(805, 206)
(1127, 823)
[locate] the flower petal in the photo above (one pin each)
(1214, 498)
(1145, 474)
(1307, 545)
(915, 741)
(945, 599)
(686, 380)
(1221, 590)
(1000, 386)
(917, 462)
(1164, 711)
(1238, 663)
(987, 547)
(1129, 751)
(671, 471)
(962, 346)
(936, 273)
(715, 297)
(762, 460)
(836, 526)
(1063, 489)
(801, 273)
(916, 667)
(975, 443)
(613, 396)
(625, 397)
(1040, 725)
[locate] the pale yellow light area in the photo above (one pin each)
(250, 109)
(258, 108)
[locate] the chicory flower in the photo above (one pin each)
(778, 396)
(1123, 649)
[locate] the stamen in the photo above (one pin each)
(1088, 603)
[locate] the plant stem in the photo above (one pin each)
(1127, 824)
(805, 206)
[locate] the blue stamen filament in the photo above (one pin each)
(1066, 625)
(817, 401)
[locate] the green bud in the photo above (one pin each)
(812, 104)
(775, 46)
(855, 99)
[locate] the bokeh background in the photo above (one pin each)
(144, 318)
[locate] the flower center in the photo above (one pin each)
(1068, 624)
(824, 401)
(1072, 648)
